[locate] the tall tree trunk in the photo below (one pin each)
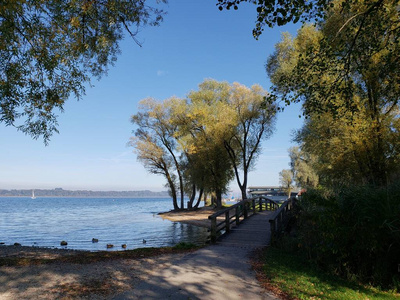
(182, 193)
(243, 187)
(178, 170)
(205, 200)
(218, 198)
(213, 199)
(172, 190)
(199, 199)
(192, 197)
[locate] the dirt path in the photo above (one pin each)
(214, 272)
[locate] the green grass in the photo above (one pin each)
(297, 279)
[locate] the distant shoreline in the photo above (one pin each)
(61, 193)
(89, 197)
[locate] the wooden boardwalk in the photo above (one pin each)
(253, 232)
(254, 222)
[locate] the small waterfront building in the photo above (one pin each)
(273, 192)
(264, 190)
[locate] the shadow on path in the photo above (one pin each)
(220, 271)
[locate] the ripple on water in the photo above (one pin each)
(45, 222)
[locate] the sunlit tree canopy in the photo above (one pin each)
(50, 50)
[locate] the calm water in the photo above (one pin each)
(45, 222)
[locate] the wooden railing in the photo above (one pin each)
(223, 220)
(282, 216)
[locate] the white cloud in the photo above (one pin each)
(161, 73)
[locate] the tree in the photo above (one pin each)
(200, 143)
(194, 179)
(254, 121)
(157, 161)
(236, 116)
(286, 180)
(302, 165)
(328, 58)
(210, 121)
(282, 12)
(194, 170)
(156, 144)
(185, 151)
(346, 149)
(350, 91)
(50, 49)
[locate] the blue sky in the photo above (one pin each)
(196, 41)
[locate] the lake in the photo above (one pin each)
(45, 222)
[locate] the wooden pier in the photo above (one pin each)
(252, 222)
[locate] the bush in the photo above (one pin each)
(353, 232)
(185, 246)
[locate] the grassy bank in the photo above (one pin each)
(294, 278)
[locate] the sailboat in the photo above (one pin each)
(33, 194)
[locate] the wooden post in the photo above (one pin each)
(260, 203)
(213, 234)
(245, 210)
(227, 225)
(253, 202)
(237, 215)
(280, 218)
(272, 227)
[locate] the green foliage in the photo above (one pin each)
(286, 180)
(352, 149)
(345, 72)
(200, 143)
(353, 232)
(210, 122)
(297, 278)
(254, 122)
(281, 12)
(185, 246)
(156, 144)
(302, 165)
(348, 57)
(50, 49)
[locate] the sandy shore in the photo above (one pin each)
(198, 217)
